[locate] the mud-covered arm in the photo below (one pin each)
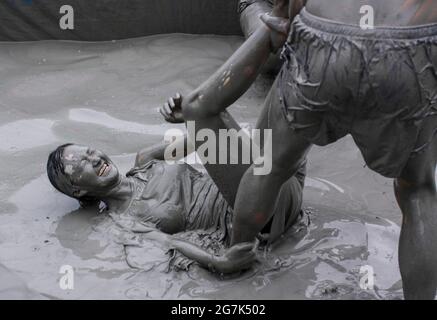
(237, 258)
(226, 85)
(157, 152)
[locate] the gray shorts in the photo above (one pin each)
(377, 85)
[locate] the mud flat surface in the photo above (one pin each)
(106, 95)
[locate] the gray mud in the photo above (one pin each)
(106, 95)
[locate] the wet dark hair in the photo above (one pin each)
(55, 168)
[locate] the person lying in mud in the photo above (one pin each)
(163, 199)
(378, 85)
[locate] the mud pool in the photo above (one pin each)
(106, 95)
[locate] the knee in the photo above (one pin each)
(411, 187)
(417, 176)
(414, 195)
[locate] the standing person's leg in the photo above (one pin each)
(228, 176)
(255, 202)
(417, 197)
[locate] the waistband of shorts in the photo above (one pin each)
(395, 33)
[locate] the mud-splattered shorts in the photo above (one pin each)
(377, 85)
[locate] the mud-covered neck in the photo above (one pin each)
(120, 198)
(133, 185)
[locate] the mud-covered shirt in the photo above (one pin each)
(176, 198)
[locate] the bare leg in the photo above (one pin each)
(228, 177)
(256, 195)
(417, 197)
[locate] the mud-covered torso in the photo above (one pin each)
(175, 198)
(386, 12)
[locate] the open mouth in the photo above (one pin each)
(104, 169)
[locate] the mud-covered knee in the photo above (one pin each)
(408, 191)
(411, 186)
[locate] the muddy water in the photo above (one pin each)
(106, 95)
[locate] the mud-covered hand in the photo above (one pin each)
(172, 110)
(281, 8)
(237, 258)
(279, 20)
(287, 8)
(279, 29)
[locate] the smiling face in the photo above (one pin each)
(88, 171)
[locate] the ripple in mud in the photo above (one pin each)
(104, 119)
(320, 261)
(319, 258)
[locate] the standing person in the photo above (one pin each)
(378, 85)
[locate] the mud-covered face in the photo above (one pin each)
(88, 171)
